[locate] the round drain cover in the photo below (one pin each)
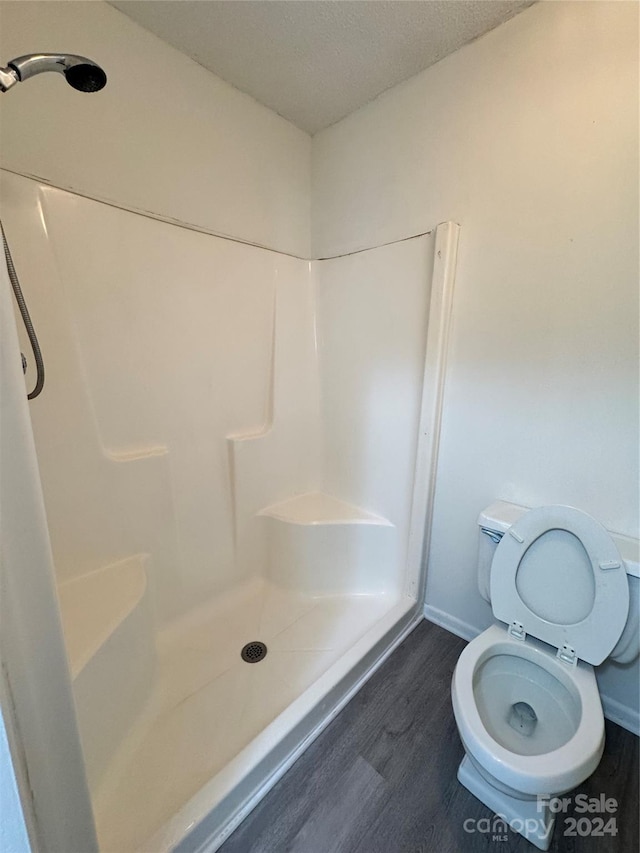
(253, 652)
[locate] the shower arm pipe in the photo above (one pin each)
(8, 78)
(26, 319)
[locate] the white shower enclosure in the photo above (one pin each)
(233, 445)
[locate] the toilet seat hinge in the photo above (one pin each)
(567, 655)
(516, 630)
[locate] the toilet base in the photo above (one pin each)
(523, 816)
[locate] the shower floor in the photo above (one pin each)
(208, 704)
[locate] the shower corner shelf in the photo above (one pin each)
(326, 546)
(316, 508)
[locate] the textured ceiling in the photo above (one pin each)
(315, 61)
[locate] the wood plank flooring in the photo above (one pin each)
(382, 777)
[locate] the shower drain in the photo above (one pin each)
(253, 652)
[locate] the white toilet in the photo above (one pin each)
(525, 696)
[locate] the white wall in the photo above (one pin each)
(529, 138)
(165, 135)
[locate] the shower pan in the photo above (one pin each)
(237, 454)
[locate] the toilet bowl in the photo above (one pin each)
(524, 693)
(567, 742)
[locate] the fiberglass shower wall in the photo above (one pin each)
(158, 343)
(197, 388)
(215, 414)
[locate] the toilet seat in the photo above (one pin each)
(603, 580)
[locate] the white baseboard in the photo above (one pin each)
(450, 623)
(623, 715)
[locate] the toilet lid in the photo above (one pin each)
(557, 573)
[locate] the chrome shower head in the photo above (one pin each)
(81, 73)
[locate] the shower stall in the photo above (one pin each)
(236, 448)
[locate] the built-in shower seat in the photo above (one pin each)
(327, 546)
(107, 622)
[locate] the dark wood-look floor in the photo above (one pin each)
(382, 777)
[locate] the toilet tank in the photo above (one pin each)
(493, 523)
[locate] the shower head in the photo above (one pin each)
(81, 73)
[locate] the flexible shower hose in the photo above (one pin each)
(26, 319)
